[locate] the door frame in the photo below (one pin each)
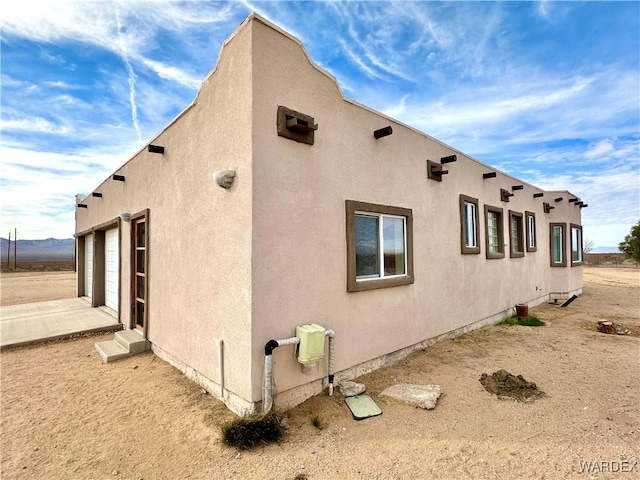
(137, 219)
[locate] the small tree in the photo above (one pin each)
(588, 246)
(631, 244)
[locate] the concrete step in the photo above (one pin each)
(111, 350)
(132, 341)
(125, 344)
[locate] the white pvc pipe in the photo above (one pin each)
(221, 366)
(267, 386)
(331, 334)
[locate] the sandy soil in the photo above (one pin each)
(65, 415)
(28, 287)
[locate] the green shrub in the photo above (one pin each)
(530, 321)
(316, 421)
(248, 432)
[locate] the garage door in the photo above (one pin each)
(111, 270)
(88, 266)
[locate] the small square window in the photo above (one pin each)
(379, 246)
(516, 234)
(494, 241)
(556, 233)
(469, 235)
(576, 245)
(532, 245)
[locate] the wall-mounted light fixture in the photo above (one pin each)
(224, 178)
(82, 205)
(119, 178)
(489, 175)
(517, 187)
(382, 132)
(435, 171)
(125, 217)
(557, 199)
(538, 195)
(449, 159)
(96, 194)
(547, 208)
(505, 194)
(155, 149)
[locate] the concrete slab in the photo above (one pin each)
(423, 396)
(35, 322)
(111, 350)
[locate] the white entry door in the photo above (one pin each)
(111, 270)
(88, 266)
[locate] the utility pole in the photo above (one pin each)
(8, 251)
(15, 250)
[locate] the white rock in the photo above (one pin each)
(351, 389)
(423, 396)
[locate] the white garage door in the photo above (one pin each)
(88, 266)
(111, 270)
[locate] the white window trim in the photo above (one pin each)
(381, 216)
(563, 244)
(531, 231)
(471, 209)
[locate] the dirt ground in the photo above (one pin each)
(65, 415)
(28, 287)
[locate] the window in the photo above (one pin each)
(516, 234)
(469, 236)
(558, 258)
(531, 231)
(495, 232)
(576, 245)
(379, 246)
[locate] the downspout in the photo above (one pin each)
(267, 386)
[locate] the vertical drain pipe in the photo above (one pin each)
(267, 386)
(221, 367)
(331, 334)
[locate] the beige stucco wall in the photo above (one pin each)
(299, 224)
(199, 248)
(248, 264)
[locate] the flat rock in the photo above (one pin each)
(612, 328)
(423, 396)
(351, 389)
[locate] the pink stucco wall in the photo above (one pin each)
(248, 264)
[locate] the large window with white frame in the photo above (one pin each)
(494, 232)
(557, 241)
(379, 246)
(469, 231)
(576, 245)
(532, 239)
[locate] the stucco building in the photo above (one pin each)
(269, 203)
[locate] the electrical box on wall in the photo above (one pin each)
(311, 346)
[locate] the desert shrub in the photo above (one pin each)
(530, 321)
(248, 432)
(316, 421)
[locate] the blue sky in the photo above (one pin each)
(546, 91)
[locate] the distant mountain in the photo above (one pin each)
(605, 250)
(51, 249)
